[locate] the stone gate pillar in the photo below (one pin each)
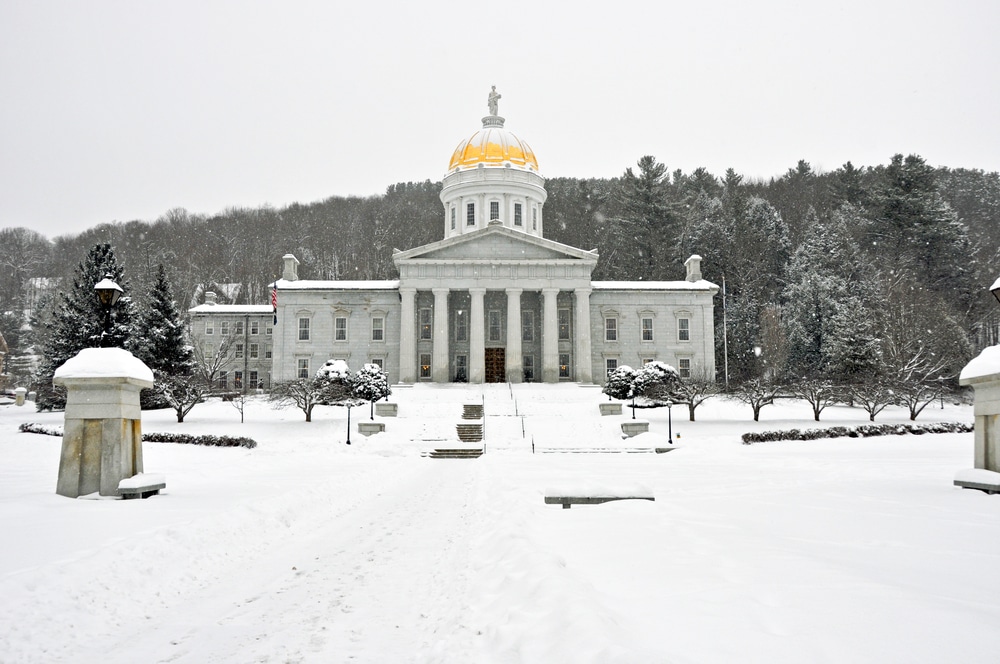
(983, 374)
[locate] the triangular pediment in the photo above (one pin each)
(495, 244)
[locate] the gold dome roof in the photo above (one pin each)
(493, 146)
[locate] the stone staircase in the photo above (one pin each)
(470, 433)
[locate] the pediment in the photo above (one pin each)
(495, 244)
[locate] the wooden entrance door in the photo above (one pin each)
(496, 365)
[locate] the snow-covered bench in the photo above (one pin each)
(142, 485)
(567, 496)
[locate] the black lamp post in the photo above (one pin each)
(108, 293)
(995, 289)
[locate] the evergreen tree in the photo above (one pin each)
(78, 322)
(371, 384)
(161, 343)
(650, 219)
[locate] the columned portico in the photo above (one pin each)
(477, 336)
(407, 342)
(514, 364)
(439, 363)
(550, 334)
(581, 347)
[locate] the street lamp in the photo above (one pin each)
(995, 289)
(108, 294)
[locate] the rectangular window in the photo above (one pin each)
(224, 328)
(379, 362)
(461, 368)
(683, 329)
(494, 210)
(238, 380)
(426, 325)
(610, 365)
(209, 351)
(238, 328)
(453, 216)
(303, 329)
(611, 329)
(563, 323)
(267, 352)
(517, 214)
(268, 330)
(255, 327)
(461, 325)
(223, 381)
(527, 325)
(470, 214)
(254, 381)
(684, 367)
(425, 365)
(254, 351)
(340, 328)
(564, 365)
(647, 329)
(534, 219)
(495, 330)
(209, 328)
(378, 329)
(528, 366)
(239, 351)
(302, 366)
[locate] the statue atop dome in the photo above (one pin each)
(493, 100)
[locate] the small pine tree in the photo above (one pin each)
(160, 341)
(78, 322)
(371, 384)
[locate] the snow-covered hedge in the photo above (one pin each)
(863, 431)
(209, 441)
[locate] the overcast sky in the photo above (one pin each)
(114, 111)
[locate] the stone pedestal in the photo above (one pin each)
(983, 374)
(610, 408)
(386, 409)
(102, 434)
(19, 394)
(370, 428)
(634, 427)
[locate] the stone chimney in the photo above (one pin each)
(693, 266)
(291, 272)
(210, 298)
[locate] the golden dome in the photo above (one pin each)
(493, 146)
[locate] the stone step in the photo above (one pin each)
(455, 453)
(472, 412)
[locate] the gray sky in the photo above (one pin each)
(114, 111)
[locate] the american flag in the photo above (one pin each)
(274, 301)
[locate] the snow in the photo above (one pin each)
(104, 362)
(141, 480)
(307, 550)
(987, 363)
(980, 475)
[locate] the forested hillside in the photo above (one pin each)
(826, 274)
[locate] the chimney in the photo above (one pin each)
(693, 266)
(210, 298)
(291, 272)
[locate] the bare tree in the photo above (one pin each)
(696, 390)
(818, 393)
(756, 393)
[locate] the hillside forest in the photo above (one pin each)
(844, 275)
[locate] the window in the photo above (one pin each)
(494, 210)
(239, 351)
(238, 380)
(461, 325)
(611, 329)
(378, 361)
(209, 328)
(254, 351)
(647, 329)
(254, 380)
(224, 328)
(209, 351)
(684, 367)
(610, 365)
(267, 352)
(378, 329)
(470, 214)
(302, 365)
(495, 330)
(426, 327)
(534, 219)
(303, 329)
(564, 365)
(223, 381)
(527, 325)
(268, 330)
(340, 328)
(461, 368)
(425, 365)
(563, 323)
(453, 217)
(238, 328)
(517, 214)
(683, 329)
(255, 327)
(528, 366)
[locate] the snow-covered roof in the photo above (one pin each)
(313, 284)
(231, 309)
(104, 363)
(987, 363)
(654, 285)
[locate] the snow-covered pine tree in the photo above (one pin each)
(371, 384)
(161, 342)
(78, 322)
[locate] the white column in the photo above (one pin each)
(407, 342)
(581, 335)
(550, 336)
(439, 362)
(515, 372)
(477, 336)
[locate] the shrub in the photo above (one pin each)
(862, 431)
(183, 438)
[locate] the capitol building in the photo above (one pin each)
(493, 301)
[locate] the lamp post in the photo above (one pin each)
(995, 289)
(108, 294)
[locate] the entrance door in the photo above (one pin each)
(496, 365)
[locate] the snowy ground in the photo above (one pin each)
(307, 550)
